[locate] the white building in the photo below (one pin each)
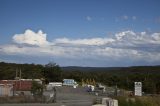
(69, 82)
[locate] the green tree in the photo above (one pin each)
(52, 72)
(36, 89)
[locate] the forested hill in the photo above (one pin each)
(77, 68)
(7, 70)
(140, 69)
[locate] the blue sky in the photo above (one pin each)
(80, 32)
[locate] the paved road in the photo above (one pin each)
(69, 96)
(66, 96)
(51, 104)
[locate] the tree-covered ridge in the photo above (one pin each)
(8, 70)
(123, 77)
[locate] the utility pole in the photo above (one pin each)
(16, 74)
(20, 78)
(115, 92)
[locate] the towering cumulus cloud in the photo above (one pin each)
(30, 37)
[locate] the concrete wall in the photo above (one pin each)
(6, 90)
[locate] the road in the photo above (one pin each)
(66, 96)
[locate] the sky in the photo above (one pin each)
(94, 33)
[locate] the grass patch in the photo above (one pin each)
(139, 101)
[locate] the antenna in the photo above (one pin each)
(16, 73)
(20, 74)
(16, 77)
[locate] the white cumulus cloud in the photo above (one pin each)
(30, 37)
(135, 46)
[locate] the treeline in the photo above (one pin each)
(123, 77)
(49, 72)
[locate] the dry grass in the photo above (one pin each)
(21, 99)
(139, 101)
